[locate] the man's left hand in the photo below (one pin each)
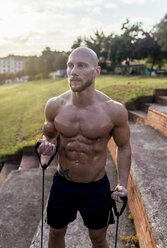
(119, 192)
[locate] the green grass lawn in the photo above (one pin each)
(22, 105)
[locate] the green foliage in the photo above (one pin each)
(130, 241)
(10, 75)
(77, 43)
(161, 33)
(113, 47)
(40, 67)
(31, 66)
(60, 62)
(132, 43)
(96, 42)
(130, 217)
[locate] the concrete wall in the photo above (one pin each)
(157, 120)
(143, 229)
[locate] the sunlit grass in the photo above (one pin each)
(127, 89)
(22, 105)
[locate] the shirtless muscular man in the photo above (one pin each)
(85, 119)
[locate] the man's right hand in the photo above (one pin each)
(46, 148)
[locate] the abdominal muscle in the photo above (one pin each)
(82, 160)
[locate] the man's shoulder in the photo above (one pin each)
(54, 104)
(101, 96)
(110, 102)
(115, 109)
(58, 100)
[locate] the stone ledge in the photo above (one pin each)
(157, 118)
(147, 184)
(6, 169)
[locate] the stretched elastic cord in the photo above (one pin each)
(118, 214)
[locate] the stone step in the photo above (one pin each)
(157, 118)
(160, 92)
(29, 158)
(12, 162)
(77, 234)
(20, 206)
(7, 168)
(161, 100)
(144, 106)
(137, 116)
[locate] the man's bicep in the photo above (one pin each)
(49, 129)
(121, 134)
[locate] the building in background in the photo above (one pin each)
(11, 63)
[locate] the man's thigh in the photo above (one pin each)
(98, 235)
(57, 217)
(57, 232)
(97, 220)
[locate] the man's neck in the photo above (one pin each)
(83, 98)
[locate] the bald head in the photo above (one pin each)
(85, 52)
(82, 68)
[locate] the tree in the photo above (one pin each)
(60, 62)
(31, 66)
(96, 43)
(10, 75)
(46, 61)
(148, 47)
(2, 77)
(161, 34)
(120, 47)
(20, 73)
(132, 30)
(77, 43)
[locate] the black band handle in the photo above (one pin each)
(44, 166)
(125, 200)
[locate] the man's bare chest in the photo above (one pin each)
(91, 122)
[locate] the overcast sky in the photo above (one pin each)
(28, 26)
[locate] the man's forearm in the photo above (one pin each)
(45, 158)
(123, 164)
(49, 139)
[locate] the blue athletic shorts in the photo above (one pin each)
(92, 200)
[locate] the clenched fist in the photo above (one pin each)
(119, 192)
(46, 148)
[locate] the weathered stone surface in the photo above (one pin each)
(149, 169)
(20, 206)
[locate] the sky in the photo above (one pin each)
(27, 27)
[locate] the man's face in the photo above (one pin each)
(81, 71)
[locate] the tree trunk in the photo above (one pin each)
(153, 61)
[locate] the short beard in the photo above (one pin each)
(83, 87)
